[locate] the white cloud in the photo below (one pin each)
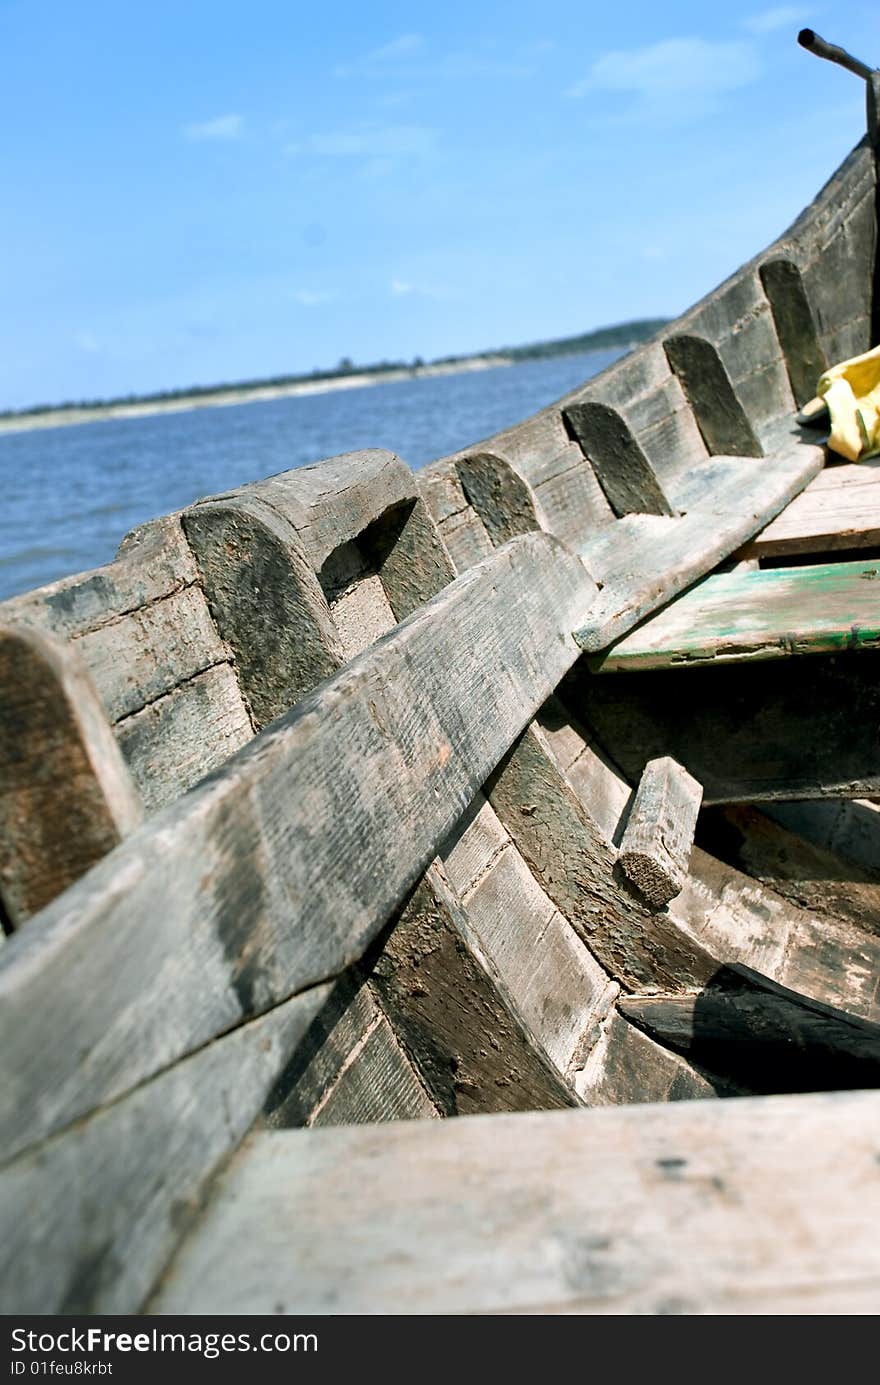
(367, 142)
(86, 341)
(311, 298)
(221, 127)
(676, 77)
(781, 17)
(380, 61)
(400, 288)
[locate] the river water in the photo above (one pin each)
(71, 493)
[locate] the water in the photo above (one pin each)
(71, 493)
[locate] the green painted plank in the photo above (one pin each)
(770, 614)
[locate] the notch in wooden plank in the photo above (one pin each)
(656, 847)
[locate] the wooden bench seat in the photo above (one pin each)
(766, 614)
(840, 509)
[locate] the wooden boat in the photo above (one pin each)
(354, 799)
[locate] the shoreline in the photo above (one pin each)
(223, 398)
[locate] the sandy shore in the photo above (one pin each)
(218, 399)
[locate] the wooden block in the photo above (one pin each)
(839, 509)
(66, 797)
(769, 614)
(645, 560)
(502, 499)
(89, 1220)
(721, 417)
(656, 848)
(623, 470)
(795, 325)
(705, 1207)
(277, 872)
(576, 865)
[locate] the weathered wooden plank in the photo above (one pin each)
(335, 499)
(627, 1067)
(570, 502)
(735, 1207)
(645, 560)
(466, 539)
(740, 920)
(849, 829)
(839, 509)
(621, 467)
(764, 1035)
(558, 987)
(66, 797)
(576, 865)
(378, 1083)
(179, 738)
(149, 652)
(90, 1219)
(245, 892)
(656, 847)
(809, 874)
(154, 561)
(471, 1034)
(769, 614)
(784, 728)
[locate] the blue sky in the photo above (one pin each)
(198, 192)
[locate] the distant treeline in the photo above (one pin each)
(603, 338)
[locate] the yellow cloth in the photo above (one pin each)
(851, 391)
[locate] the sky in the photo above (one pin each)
(200, 192)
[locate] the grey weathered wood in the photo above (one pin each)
(739, 1207)
(265, 599)
(740, 920)
(147, 653)
(781, 729)
(276, 872)
(795, 326)
(66, 797)
(645, 560)
(180, 737)
(627, 1067)
(769, 1037)
(575, 863)
(839, 509)
(349, 1068)
(90, 1219)
(503, 501)
(621, 466)
(656, 848)
(848, 829)
(336, 499)
(465, 1029)
(154, 561)
(274, 557)
(722, 420)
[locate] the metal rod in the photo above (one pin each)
(814, 44)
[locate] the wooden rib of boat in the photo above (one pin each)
(355, 797)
